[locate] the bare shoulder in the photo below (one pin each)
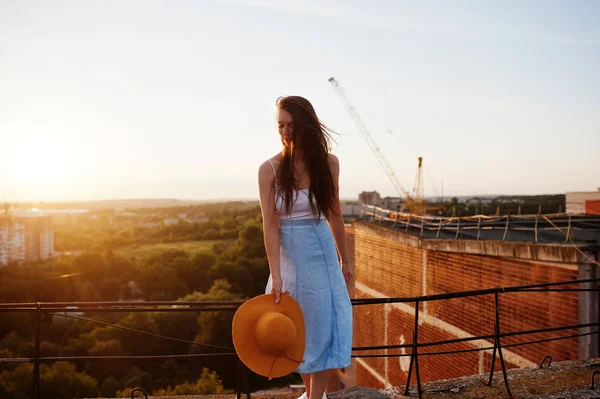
(265, 169)
(333, 161)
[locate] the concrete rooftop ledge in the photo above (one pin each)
(564, 380)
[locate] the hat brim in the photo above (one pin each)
(244, 322)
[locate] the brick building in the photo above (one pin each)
(415, 261)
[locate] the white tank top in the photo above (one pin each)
(300, 206)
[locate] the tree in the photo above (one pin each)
(208, 384)
(59, 381)
(204, 260)
(259, 270)
(63, 381)
(109, 387)
(160, 282)
(137, 344)
(106, 348)
(16, 383)
(136, 378)
(251, 242)
(91, 265)
(215, 329)
(110, 288)
(239, 277)
(211, 234)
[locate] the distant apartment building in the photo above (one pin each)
(369, 198)
(392, 203)
(583, 202)
(351, 209)
(29, 238)
(39, 238)
(12, 241)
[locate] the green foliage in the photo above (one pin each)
(204, 260)
(208, 384)
(16, 384)
(142, 251)
(238, 277)
(109, 387)
(159, 282)
(138, 378)
(63, 381)
(106, 348)
(124, 260)
(13, 342)
(59, 381)
(211, 234)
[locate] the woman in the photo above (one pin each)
(305, 240)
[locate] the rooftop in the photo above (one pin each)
(562, 228)
(564, 380)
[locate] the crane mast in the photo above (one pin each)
(374, 147)
(417, 201)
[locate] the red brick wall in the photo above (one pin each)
(369, 324)
(386, 266)
(592, 207)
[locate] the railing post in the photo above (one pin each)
(457, 229)
(414, 358)
(489, 382)
(242, 379)
(36, 363)
(416, 353)
(568, 230)
(506, 228)
(239, 377)
(499, 344)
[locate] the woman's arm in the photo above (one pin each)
(336, 221)
(270, 225)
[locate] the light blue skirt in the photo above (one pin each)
(311, 273)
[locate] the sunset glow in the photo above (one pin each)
(39, 158)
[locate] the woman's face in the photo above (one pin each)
(285, 125)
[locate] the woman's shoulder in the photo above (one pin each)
(270, 164)
(333, 160)
(274, 160)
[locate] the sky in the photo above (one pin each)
(176, 99)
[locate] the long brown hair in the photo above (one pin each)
(314, 139)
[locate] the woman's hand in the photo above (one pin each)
(276, 289)
(347, 273)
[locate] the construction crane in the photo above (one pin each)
(374, 147)
(417, 197)
(415, 201)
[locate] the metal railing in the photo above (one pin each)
(476, 227)
(62, 309)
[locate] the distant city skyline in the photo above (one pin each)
(146, 99)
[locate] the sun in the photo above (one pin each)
(39, 158)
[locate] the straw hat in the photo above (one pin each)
(269, 337)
